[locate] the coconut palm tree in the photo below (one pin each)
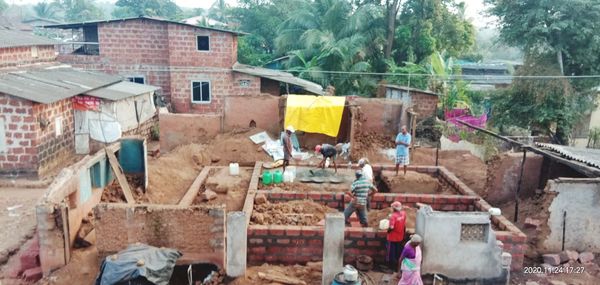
(46, 10)
(333, 36)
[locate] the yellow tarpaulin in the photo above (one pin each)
(315, 114)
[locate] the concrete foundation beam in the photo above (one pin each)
(333, 247)
(237, 237)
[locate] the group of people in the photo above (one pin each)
(401, 254)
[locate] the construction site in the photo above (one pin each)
(101, 184)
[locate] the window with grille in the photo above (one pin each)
(137, 79)
(474, 232)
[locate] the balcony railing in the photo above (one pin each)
(84, 48)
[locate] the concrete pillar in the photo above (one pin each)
(237, 238)
(333, 246)
(506, 262)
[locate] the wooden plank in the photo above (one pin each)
(116, 167)
(192, 192)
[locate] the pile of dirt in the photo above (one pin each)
(234, 146)
(468, 168)
(412, 182)
(299, 213)
(170, 176)
(370, 144)
(114, 194)
(311, 273)
(230, 190)
(377, 215)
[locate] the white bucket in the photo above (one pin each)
(234, 169)
(291, 169)
(384, 224)
(288, 176)
(495, 211)
(350, 273)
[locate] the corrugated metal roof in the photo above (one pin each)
(279, 76)
(406, 88)
(81, 24)
(588, 156)
(122, 90)
(12, 38)
(52, 84)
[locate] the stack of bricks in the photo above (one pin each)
(28, 265)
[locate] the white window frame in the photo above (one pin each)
(138, 76)
(192, 92)
(208, 50)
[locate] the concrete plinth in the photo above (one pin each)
(236, 244)
(333, 247)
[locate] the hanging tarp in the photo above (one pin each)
(315, 114)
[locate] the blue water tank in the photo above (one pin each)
(131, 156)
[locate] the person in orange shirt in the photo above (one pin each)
(395, 234)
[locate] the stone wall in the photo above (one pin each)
(198, 232)
(13, 56)
(33, 144)
(54, 146)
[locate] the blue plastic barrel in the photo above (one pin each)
(131, 156)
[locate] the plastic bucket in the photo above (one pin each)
(234, 169)
(267, 178)
(278, 177)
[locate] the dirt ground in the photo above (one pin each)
(377, 215)
(231, 190)
(413, 182)
(82, 269)
(234, 146)
(170, 176)
(311, 273)
(299, 213)
(20, 227)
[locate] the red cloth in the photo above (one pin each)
(84, 103)
(398, 226)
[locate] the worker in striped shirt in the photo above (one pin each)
(361, 189)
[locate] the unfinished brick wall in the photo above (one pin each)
(13, 56)
(296, 244)
(19, 126)
(198, 232)
(52, 149)
(183, 48)
(424, 104)
(32, 149)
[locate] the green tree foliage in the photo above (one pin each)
(403, 78)
(429, 25)
(566, 28)
(46, 10)
(550, 106)
(260, 19)
(154, 8)
(79, 10)
(336, 38)
(3, 6)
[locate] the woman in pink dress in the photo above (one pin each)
(410, 262)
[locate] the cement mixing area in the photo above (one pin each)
(208, 205)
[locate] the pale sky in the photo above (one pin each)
(474, 7)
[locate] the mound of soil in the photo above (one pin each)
(311, 273)
(299, 213)
(234, 146)
(413, 182)
(468, 168)
(114, 194)
(231, 190)
(377, 215)
(170, 176)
